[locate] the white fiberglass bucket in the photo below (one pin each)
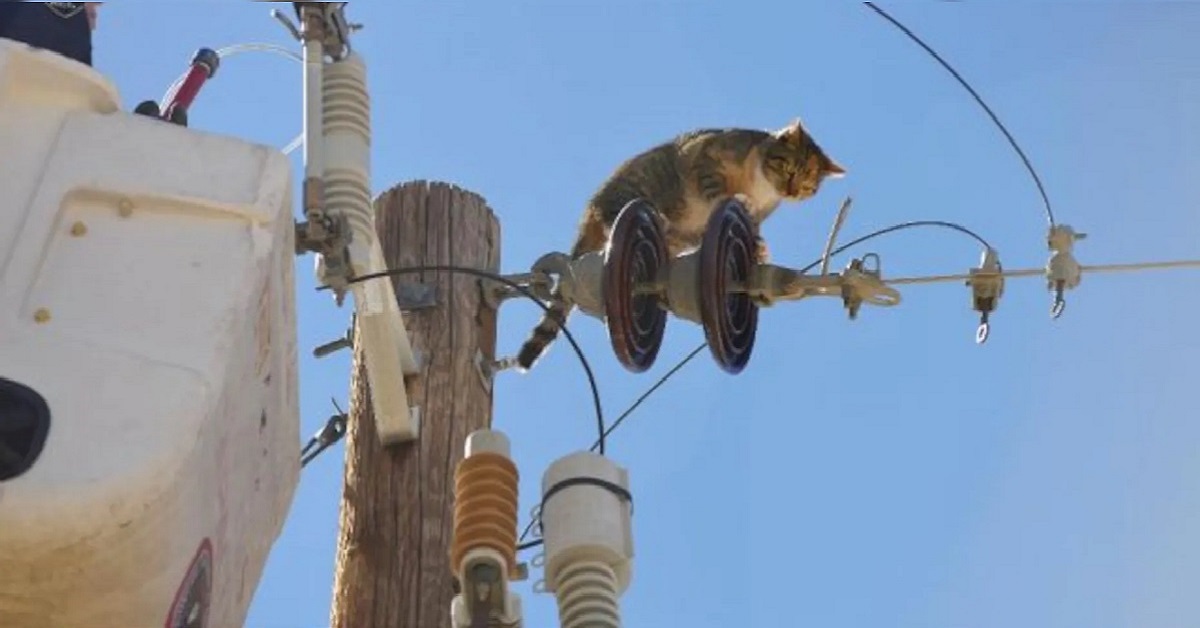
(146, 299)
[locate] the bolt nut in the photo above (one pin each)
(78, 229)
(42, 315)
(125, 208)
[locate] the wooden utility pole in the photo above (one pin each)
(393, 551)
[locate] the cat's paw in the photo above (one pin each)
(744, 200)
(762, 254)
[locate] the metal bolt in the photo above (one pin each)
(42, 315)
(78, 229)
(125, 208)
(332, 347)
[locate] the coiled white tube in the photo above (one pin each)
(229, 51)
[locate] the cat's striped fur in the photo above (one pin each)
(683, 179)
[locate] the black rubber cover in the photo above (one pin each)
(24, 426)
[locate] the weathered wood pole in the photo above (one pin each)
(396, 516)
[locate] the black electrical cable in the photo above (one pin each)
(651, 390)
(483, 274)
(900, 227)
(695, 352)
(978, 99)
(617, 423)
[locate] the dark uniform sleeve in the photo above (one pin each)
(60, 27)
(6, 11)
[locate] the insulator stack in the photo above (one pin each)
(587, 516)
(483, 550)
(587, 596)
(485, 501)
(347, 145)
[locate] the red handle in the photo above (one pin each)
(204, 66)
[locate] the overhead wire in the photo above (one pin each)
(650, 391)
(897, 227)
(483, 274)
(953, 226)
(665, 377)
(617, 423)
(979, 100)
(604, 431)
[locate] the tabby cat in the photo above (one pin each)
(684, 179)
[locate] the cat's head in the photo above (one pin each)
(794, 162)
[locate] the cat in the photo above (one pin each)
(684, 179)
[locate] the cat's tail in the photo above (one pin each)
(591, 238)
(545, 333)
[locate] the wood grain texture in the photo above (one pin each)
(397, 503)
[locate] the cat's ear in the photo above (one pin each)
(793, 133)
(832, 169)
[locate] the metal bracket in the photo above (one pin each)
(1063, 271)
(487, 369)
(333, 346)
(416, 296)
(538, 283)
(987, 286)
(329, 237)
(324, 21)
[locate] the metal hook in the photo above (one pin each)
(875, 269)
(333, 431)
(1060, 303)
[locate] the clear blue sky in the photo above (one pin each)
(886, 472)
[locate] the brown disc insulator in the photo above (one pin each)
(727, 258)
(636, 253)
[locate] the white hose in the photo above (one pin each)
(229, 51)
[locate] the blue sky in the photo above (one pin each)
(885, 472)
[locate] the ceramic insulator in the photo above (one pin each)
(587, 596)
(587, 516)
(347, 151)
(485, 502)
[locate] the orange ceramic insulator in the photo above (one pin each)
(485, 503)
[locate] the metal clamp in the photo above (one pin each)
(1063, 271)
(322, 21)
(863, 283)
(987, 286)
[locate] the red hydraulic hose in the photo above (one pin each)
(204, 66)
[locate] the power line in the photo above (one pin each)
(615, 424)
(475, 272)
(978, 99)
(651, 390)
(695, 352)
